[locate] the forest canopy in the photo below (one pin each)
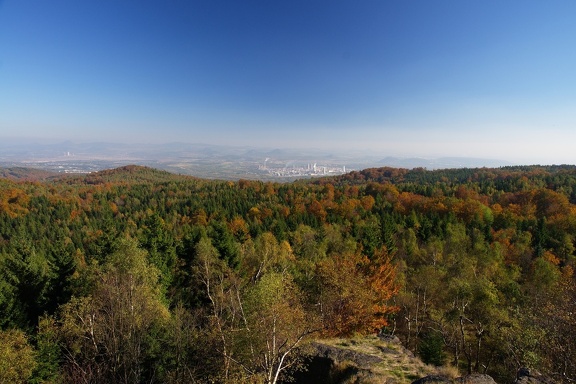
(138, 275)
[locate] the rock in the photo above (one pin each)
(526, 376)
(433, 379)
(339, 355)
(392, 339)
(522, 372)
(475, 378)
(389, 351)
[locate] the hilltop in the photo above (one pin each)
(126, 174)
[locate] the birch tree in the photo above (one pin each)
(105, 333)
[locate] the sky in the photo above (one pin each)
(430, 78)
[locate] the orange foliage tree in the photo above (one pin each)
(354, 293)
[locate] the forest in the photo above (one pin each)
(135, 275)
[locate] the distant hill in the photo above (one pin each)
(128, 173)
(424, 176)
(27, 174)
(442, 162)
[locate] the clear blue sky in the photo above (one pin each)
(479, 78)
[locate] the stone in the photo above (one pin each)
(475, 378)
(433, 379)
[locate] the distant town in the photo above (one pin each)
(309, 170)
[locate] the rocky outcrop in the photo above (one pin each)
(372, 359)
(384, 360)
(340, 355)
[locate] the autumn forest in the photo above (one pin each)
(136, 275)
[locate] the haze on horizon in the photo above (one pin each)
(487, 79)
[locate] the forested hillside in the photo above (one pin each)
(136, 275)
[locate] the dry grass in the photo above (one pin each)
(398, 365)
(449, 371)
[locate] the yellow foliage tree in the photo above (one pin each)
(16, 357)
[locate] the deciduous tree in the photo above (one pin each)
(105, 333)
(16, 357)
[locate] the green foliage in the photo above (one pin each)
(224, 242)
(431, 349)
(48, 353)
(28, 276)
(161, 247)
